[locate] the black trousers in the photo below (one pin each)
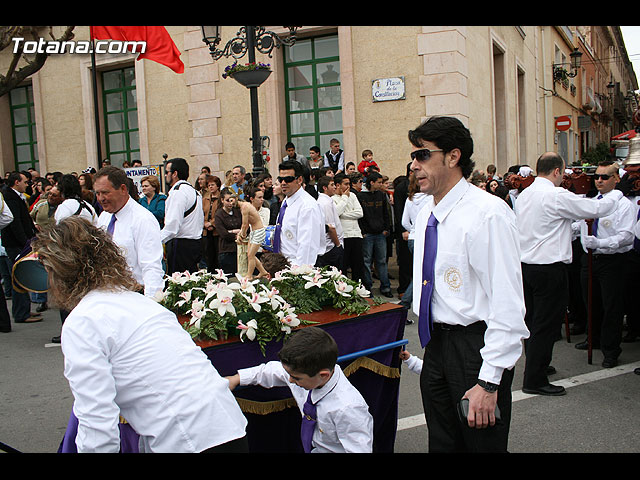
(546, 296)
(451, 365)
(239, 445)
(609, 275)
(183, 254)
(353, 258)
(577, 308)
(632, 288)
(333, 257)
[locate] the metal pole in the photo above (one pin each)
(96, 113)
(255, 114)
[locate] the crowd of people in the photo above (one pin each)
(490, 269)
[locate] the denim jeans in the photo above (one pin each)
(20, 302)
(374, 246)
(407, 296)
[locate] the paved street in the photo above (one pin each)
(600, 413)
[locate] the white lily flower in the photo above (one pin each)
(255, 300)
(288, 320)
(363, 292)
(273, 297)
(302, 269)
(179, 278)
(343, 288)
(223, 303)
(249, 329)
(244, 284)
(315, 281)
(220, 275)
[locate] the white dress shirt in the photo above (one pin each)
(344, 422)
(125, 354)
(137, 233)
(472, 283)
(349, 211)
(69, 208)
(302, 238)
(331, 219)
(176, 225)
(615, 231)
(545, 212)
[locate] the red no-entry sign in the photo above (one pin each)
(563, 123)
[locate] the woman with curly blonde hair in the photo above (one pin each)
(126, 355)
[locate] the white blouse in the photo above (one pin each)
(124, 354)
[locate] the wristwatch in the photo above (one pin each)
(489, 387)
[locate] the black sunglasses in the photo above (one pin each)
(423, 154)
(596, 176)
(287, 179)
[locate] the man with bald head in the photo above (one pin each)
(545, 212)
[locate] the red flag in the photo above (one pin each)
(160, 47)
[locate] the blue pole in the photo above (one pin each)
(372, 350)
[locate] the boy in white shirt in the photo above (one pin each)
(342, 422)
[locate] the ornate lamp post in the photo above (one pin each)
(247, 40)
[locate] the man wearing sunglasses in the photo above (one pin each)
(545, 213)
(611, 242)
(470, 305)
(300, 223)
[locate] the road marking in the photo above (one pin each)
(418, 420)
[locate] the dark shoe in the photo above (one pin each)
(551, 390)
(585, 345)
(42, 307)
(386, 294)
(5, 330)
(610, 362)
(55, 340)
(551, 370)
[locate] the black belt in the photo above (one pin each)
(474, 327)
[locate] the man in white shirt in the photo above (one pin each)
(134, 228)
(183, 219)
(477, 304)
(545, 212)
(301, 219)
(611, 242)
(334, 237)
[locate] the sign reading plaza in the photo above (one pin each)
(80, 46)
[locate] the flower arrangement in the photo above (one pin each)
(310, 289)
(220, 306)
(236, 67)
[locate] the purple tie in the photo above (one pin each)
(112, 225)
(276, 237)
(308, 423)
(594, 230)
(425, 321)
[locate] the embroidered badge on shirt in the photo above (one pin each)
(453, 278)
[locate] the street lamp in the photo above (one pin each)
(560, 73)
(249, 40)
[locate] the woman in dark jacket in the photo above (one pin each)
(227, 222)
